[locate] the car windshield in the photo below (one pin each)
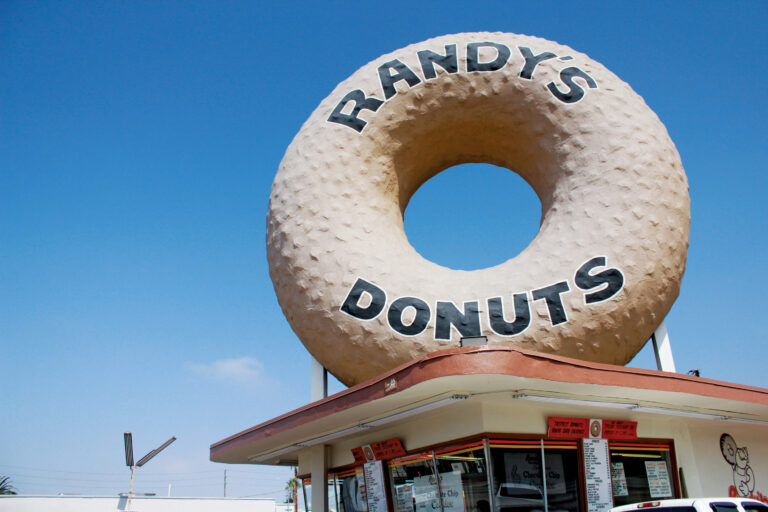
(754, 507)
(724, 507)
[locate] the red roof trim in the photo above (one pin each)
(496, 359)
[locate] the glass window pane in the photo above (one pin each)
(464, 478)
(351, 490)
(562, 467)
(640, 472)
(414, 486)
(517, 476)
(723, 507)
(306, 487)
(754, 507)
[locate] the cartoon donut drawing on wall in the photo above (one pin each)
(738, 458)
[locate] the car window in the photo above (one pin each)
(754, 507)
(722, 506)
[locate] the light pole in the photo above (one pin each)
(128, 439)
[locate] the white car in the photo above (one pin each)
(696, 505)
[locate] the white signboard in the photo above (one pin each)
(658, 479)
(404, 498)
(524, 468)
(375, 490)
(427, 497)
(619, 478)
(598, 475)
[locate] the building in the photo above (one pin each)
(480, 419)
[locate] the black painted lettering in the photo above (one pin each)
(467, 322)
(522, 315)
(448, 62)
(351, 305)
(531, 61)
(473, 57)
(555, 306)
(420, 320)
(361, 102)
(575, 91)
(612, 277)
(389, 79)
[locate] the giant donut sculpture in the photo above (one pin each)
(595, 282)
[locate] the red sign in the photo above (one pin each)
(619, 429)
(383, 450)
(568, 428)
(578, 428)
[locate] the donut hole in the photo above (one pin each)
(472, 216)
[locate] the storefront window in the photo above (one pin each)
(640, 472)
(519, 480)
(464, 478)
(414, 484)
(306, 490)
(350, 490)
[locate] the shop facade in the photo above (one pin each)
(500, 429)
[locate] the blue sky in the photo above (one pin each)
(139, 141)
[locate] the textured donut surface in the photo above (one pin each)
(599, 277)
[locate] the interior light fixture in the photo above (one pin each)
(415, 410)
(574, 401)
(473, 341)
(637, 455)
(677, 412)
(333, 435)
(274, 453)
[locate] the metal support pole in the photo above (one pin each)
(436, 472)
(318, 380)
(489, 471)
(130, 489)
(663, 349)
(336, 491)
(544, 477)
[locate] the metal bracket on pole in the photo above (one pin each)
(663, 349)
(318, 380)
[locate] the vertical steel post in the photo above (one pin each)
(489, 470)
(662, 348)
(436, 472)
(544, 477)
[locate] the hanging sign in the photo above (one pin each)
(597, 472)
(619, 429)
(383, 450)
(583, 428)
(659, 484)
(374, 485)
(568, 428)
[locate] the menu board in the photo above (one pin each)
(619, 478)
(658, 479)
(598, 475)
(376, 492)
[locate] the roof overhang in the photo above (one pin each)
(454, 378)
